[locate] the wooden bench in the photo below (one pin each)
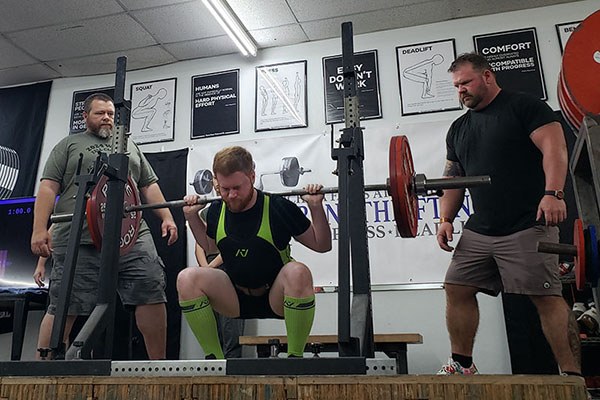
(393, 345)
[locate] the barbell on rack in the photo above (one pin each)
(403, 185)
(584, 250)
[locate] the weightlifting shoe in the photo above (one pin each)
(454, 368)
(590, 321)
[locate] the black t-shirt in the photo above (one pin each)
(287, 220)
(496, 141)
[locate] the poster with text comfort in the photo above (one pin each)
(515, 58)
(425, 84)
(215, 104)
(367, 86)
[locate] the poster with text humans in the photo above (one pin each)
(215, 104)
(77, 123)
(280, 97)
(153, 111)
(425, 85)
(515, 58)
(367, 86)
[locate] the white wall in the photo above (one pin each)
(394, 311)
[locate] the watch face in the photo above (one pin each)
(560, 194)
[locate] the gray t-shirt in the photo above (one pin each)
(61, 167)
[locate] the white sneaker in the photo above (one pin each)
(590, 321)
(578, 309)
(454, 368)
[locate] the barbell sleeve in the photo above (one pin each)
(557, 248)
(454, 182)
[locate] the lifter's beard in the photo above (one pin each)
(103, 132)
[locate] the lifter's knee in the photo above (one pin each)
(459, 293)
(297, 279)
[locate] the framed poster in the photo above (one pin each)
(77, 123)
(215, 104)
(280, 96)
(564, 32)
(425, 85)
(367, 86)
(515, 58)
(153, 111)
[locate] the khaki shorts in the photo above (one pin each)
(509, 264)
(141, 277)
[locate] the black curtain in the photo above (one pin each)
(171, 168)
(22, 122)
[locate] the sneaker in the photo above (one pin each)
(590, 322)
(564, 268)
(454, 368)
(578, 309)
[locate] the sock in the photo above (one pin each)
(299, 315)
(465, 361)
(201, 319)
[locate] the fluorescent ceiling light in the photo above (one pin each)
(232, 25)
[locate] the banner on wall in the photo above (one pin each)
(367, 86)
(215, 104)
(77, 124)
(393, 259)
(515, 58)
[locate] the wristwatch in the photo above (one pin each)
(559, 194)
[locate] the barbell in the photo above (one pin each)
(584, 250)
(403, 185)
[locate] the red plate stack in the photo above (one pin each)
(579, 78)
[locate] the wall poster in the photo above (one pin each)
(425, 84)
(280, 98)
(515, 58)
(77, 124)
(153, 111)
(367, 86)
(215, 104)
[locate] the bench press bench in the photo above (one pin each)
(392, 344)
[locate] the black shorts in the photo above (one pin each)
(255, 306)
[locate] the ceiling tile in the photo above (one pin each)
(26, 74)
(280, 36)
(309, 10)
(25, 14)
(102, 35)
(269, 14)
(179, 22)
(12, 56)
(421, 13)
(106, 63)
(139, 4)
(210, 47)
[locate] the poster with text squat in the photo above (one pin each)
(515, 58)
(425, 85)
(280, 97)
(367, 86)
(215, 104)
(153, 111)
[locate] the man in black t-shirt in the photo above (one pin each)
(252, 231)
(517, 141)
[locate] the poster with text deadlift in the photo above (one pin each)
(425, 85)
(367, 86)
(215, 104)
(515, 58)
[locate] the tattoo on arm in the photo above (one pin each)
(453, 168)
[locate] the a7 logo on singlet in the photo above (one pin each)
(241, 253)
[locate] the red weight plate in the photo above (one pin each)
(565, 110)
(581, 65)
(401, 187)
(579, 242)
(574, 115)
(131, 220)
